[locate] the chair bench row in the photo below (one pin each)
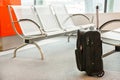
(41, 22)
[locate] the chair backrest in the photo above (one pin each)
(48, 20)
(27, 25)
(61, 14)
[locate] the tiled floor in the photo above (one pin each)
(59, 63)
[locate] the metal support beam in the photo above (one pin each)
(105, 6)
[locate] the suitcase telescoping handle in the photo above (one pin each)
(97, 17)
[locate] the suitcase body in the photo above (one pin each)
(89, 53)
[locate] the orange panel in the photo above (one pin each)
(15, 2)
(5, 23)
(10, 2)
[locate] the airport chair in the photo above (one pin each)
(65, 20)
(111, 37)
(49, 21)
(29, 24)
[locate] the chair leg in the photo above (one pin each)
(42, 56)
(108, 53)
(18, 48)
(69, 37)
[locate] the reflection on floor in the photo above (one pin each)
(59, 63)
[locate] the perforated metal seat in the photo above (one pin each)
(48, 20)
(65, 20)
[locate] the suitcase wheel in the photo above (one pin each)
(101, 74)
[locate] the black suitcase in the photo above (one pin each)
(89, 53)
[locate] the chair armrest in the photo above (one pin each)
(21, 20)
(108, 22)
(78, 15)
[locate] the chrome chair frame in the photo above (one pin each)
(27, 39)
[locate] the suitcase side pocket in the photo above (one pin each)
(80, 60)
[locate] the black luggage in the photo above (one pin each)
(89, 53)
